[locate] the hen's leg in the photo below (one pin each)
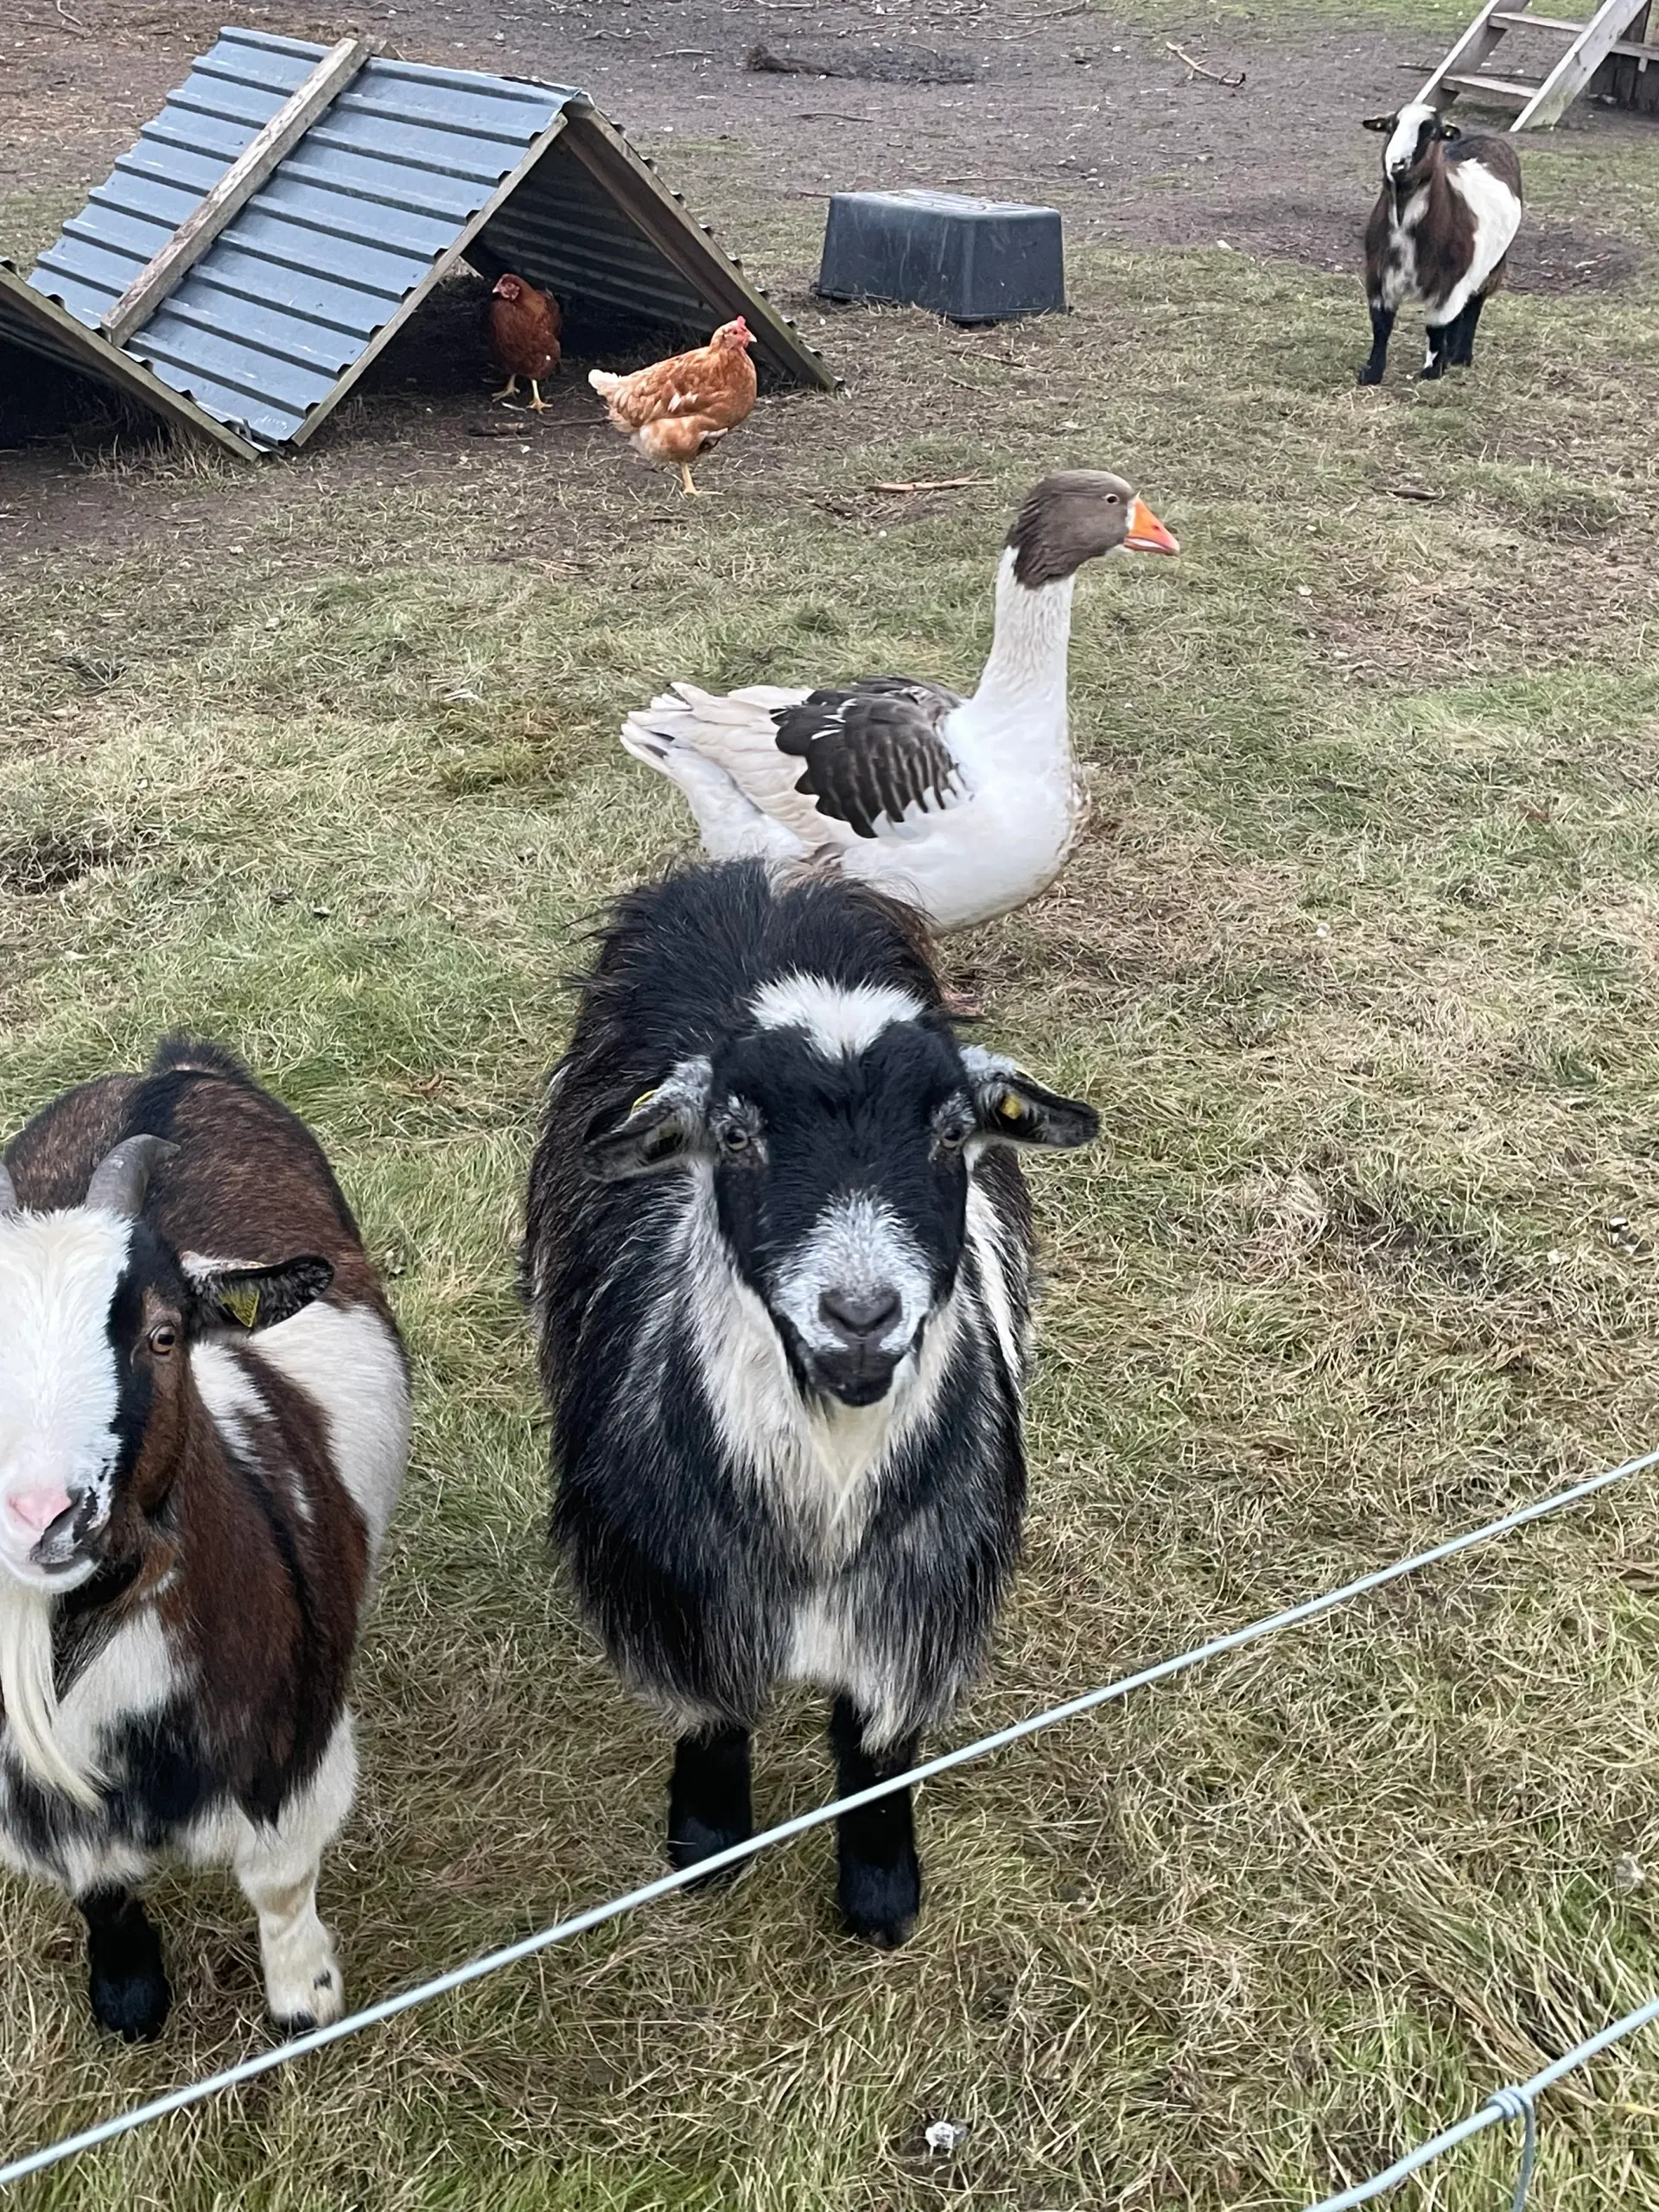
(686, 485)
(507, 388)
(537, 404)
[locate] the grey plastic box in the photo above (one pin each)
(973, 260)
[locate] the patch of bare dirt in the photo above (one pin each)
(1066, 106)
(34, 865)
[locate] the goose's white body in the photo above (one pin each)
(1001, 836)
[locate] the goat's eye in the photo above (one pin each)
(163, 1338)
(735, 1139)
(953, 1136)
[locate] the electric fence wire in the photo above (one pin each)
(1518, 2102)
(389, 2008)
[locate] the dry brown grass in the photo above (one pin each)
(1359, 963)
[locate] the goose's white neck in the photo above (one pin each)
(1024, 676)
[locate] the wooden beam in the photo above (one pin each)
(235, 189)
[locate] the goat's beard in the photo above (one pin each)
(29, 1685)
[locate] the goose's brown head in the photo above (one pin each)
(1075, 516)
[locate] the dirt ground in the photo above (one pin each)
(1058, 102)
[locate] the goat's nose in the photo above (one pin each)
(860, 1316)
(34, 1510)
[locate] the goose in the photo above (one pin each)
(963, 808)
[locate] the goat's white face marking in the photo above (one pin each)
(1401, 152)
(59, 1388)
(838, 1021)
(857, 1247)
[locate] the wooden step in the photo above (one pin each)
(1523, 19)
(1635, 49)
(1496, 88)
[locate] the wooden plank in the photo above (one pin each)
(1471, 50)
(1524, 19)
(1573, 73)
(168, 267)
(1498, 88)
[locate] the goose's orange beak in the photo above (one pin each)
(1146, 534)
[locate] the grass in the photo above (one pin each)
(1359, 962)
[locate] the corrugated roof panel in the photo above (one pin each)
(230, 94)
(117, 227)
(375, 192)
(383, 193)
(422, 149)
(384, 181)
(150, 200)
(259, 58)
(352, 308)
(289, 242)
(459, 99)
(564, 230)
(103, 270)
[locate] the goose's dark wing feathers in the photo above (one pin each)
(873, 750)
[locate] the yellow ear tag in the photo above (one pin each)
(241, 1301)
(1010, 1107)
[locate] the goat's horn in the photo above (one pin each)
(122, 1177)
(10, 1202)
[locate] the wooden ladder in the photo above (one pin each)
(1584, 45)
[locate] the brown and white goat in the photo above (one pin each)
(204, 1418)
(1440, 232)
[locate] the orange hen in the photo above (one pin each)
(525, 326)
(673, 411)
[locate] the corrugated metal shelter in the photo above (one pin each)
(405, 173)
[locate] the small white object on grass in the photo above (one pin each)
(944, 2135)
(1304, 591)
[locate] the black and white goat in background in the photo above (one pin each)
(204, 1418)
(779, 1256)
(1440, 231)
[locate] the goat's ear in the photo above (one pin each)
(258, 1298)
(1012, 1108)
(662, 1127)
(1379, 123)
(1447, 131)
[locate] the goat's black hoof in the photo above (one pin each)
(128, 1984)
(1369, 375)
(881, 1905)
(294, 2024)
(1433, 375)
(690, 1841)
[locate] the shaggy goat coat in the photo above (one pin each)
(728, 1522)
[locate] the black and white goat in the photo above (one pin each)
(204, 1418)
(779, 1256)
(1440, 232)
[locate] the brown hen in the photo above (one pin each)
(673, 411)
(525, 326)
